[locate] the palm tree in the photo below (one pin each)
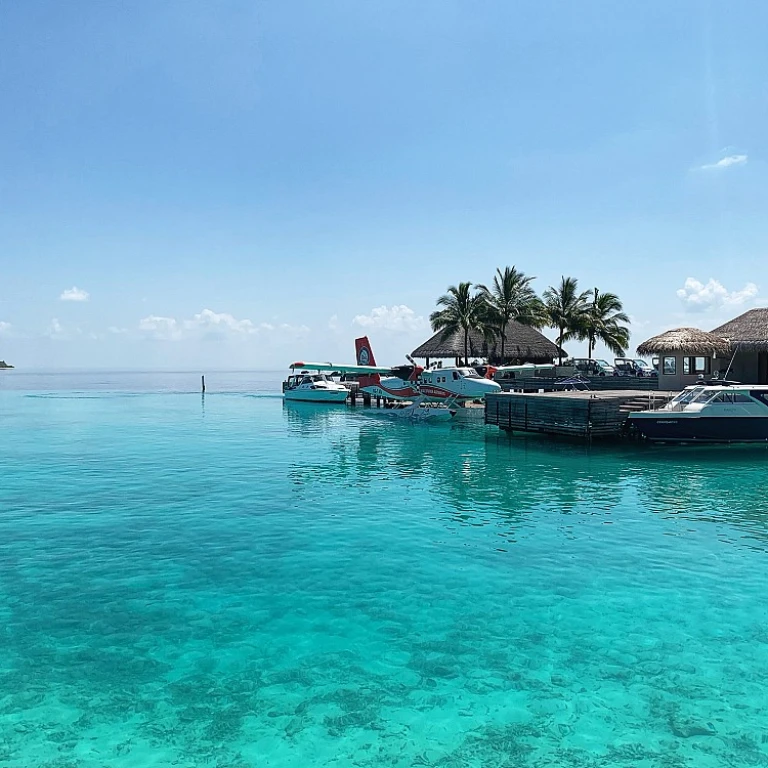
(511, 298)
(462, 311)
(564, 309)
(602, 322)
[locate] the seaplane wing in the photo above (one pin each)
(340, 368)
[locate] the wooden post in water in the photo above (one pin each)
(203, 382)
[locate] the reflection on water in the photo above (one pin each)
(480, 472)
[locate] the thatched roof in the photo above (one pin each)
(522, 342)
(690, 341)
(747, 331)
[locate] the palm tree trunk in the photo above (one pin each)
(466, 346)
(560, 346)
(503, 340)
(589, 347)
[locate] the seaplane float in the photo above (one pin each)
(410, 391)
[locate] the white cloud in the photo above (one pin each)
(698, 297)
(55, 329)
(725, 162)
(5, 328)
(333, 322)
(116, 330)
(223, 321)
(74, 294)
(160, 327)
(398, 317)
(208, 324)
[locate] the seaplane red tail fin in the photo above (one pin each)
(364, 352)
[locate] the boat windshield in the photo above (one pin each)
(705, 395)
(687, 396)
(309, 378)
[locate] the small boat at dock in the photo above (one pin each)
(314, 388)
(317, 382)
(708, 412)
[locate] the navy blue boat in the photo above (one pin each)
(709, 412)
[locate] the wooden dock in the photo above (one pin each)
(576, 414)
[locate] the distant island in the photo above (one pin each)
(4, 365)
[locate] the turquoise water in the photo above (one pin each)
(235, 582)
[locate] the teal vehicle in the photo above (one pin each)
(524, 371)
(591, 366)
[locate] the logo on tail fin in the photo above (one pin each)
(363, 349)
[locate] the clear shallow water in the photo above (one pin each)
(236, 582)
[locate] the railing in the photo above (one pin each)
(595, 383)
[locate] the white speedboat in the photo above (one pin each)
(714, 412)
(314, 388)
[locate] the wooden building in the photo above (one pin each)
(738, 348)
(523, 344)
(748, 335)
(687, 354)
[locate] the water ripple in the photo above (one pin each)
(239, 581)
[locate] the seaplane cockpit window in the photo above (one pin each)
(455, 375)
(468, 373)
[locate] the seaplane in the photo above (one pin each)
(431, 392)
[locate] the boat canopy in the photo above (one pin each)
(512, 371)
(363, 369)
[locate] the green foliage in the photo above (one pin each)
(462, 311)
(564, 309)
(603, 321)
(584, 315)
(511, 297)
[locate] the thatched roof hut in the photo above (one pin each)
(748, 331)
(688, 341)
(522, 343)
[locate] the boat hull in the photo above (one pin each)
(316, 395)
(675, 428)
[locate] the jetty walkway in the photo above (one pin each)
(584, 414)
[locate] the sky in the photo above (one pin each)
(237, 185)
